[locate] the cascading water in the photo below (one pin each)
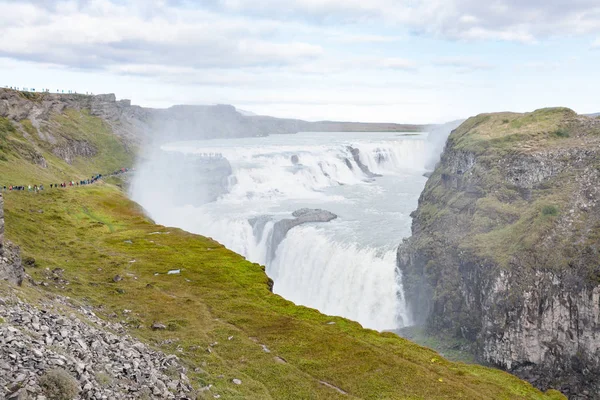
(236, 190)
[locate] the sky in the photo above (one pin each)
(353, 60)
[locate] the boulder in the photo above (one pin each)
(356, 157)
(302, 216)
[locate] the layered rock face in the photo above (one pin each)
(505, 247)
(11, 269)
(127, 121)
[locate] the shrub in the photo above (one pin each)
(58, 384)
(550, 210)
(505, 121)
(561, 133)
(104, 379)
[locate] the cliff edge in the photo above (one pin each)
(505, 246)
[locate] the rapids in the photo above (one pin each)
(236, 190)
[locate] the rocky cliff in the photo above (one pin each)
(505, 246)
(11, 269)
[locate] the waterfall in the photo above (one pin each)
(238, 197)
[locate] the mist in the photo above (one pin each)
(243, 191)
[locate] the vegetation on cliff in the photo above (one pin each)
(504, 251)
(217, 313)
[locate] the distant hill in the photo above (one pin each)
(182, 122)
(593, 115)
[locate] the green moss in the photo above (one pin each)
(28, 126)
(561, 133)
(550, 211)
(492, 132)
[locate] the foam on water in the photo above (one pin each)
(345, 267)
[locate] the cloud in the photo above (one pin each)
(105, 33)
(596, 44)
(463, 64)
(524, 21)
(396, 63)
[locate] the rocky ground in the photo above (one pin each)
(105, 362)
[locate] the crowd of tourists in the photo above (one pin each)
(84, 182)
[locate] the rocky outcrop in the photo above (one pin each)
(504, 248)
(356, 157)
(106, 362)
(130, 123)
(75, 148)
(11, 269)
(282, 227)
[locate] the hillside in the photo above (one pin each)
(136, 125)
(217, 314)
(504, 248)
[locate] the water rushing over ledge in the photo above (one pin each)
(345, 267)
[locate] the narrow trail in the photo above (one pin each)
(85, 182)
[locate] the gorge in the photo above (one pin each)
(289, 202)
(261, 203)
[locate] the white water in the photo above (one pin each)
(344, 267)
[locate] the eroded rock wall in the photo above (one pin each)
(505, 250)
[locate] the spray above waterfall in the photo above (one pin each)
(342, 266)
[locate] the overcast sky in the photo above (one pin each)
(360, 60)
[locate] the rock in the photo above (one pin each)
(157, 326)
(295, 160)
(117, 278)
(111, 367)
(302, 216)
(356, 157)
(236, 381)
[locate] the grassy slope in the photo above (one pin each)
(19, 142)
(95, 233)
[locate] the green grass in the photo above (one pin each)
(451, 348)
(550, 210)
(510, 131)
(19, 151)
(96, 233)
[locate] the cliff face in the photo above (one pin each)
(505, 249)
